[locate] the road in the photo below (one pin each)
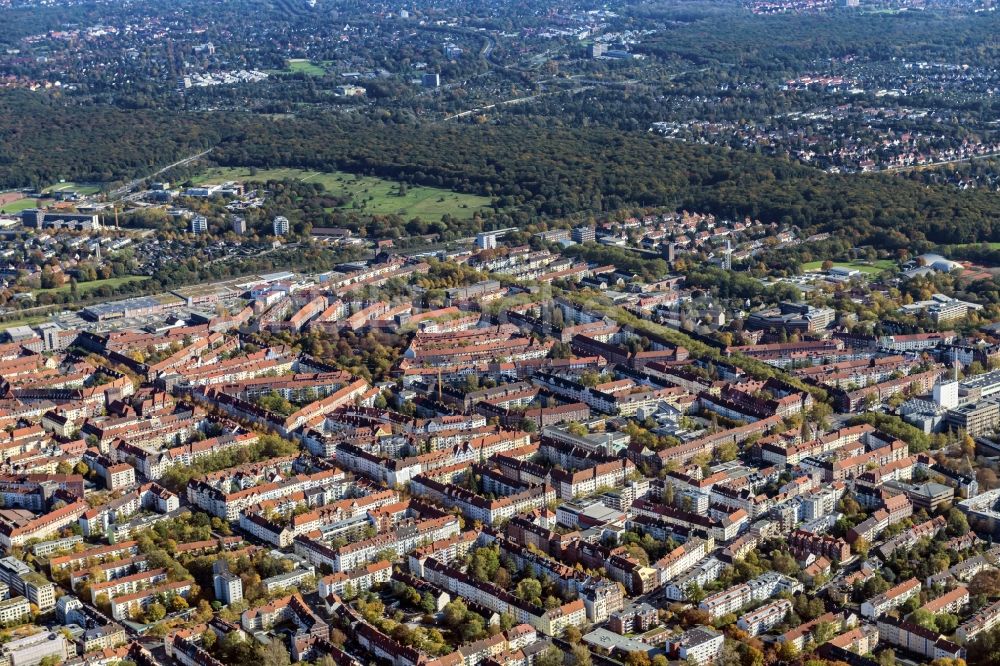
(508, 102)
(123, 191)
(934, 165)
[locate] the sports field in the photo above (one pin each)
(871, 268)
(301, 66)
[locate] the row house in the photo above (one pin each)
(802, 634)
(116, 475)
(983, 620)
(682, 559)
(205, 495)
(804, 543)
(949, 602)
(671, 515)
(893, 598)
(853, 401)
(551, 622)
(963, 571)
(907, 539)
(402, 540)
(92, 556)
(476, 507)
(359, 580)
(110, 570)
(761, 619)
(41, 527)
(129, 605)
(759, 589)
(792, 453)
(282, 532)
(588, 481)
(896, 508)
(127, 584)
(291, 609)
(154, 463)
(917, 640)
(240, 369)
(705, 571)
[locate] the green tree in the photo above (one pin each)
(579, 655)
(551, 656)
(155, 612)
(484, 563)
(274, 654)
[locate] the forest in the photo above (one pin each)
(532, 172)
(558, 172)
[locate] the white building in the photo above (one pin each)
(946, 394)
(281, 226)
(760, 620)
(32, 650)
(228, 587)
(701, 645)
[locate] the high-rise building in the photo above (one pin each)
(431, 80)
(281, 226)
(583, 234)
(486, 240)
(228, 586)
(946, 394)
(199, 224)
(239, 225)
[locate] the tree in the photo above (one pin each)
(551, 656)
(985, 649)
(958, 524)
(473, 628)
(787, 652)
(579, 655)
(637, 658)
(727, 452)
(861, 547)
(985, 583)
(530, 590)
(274, 654)
(455, 613)
(484, 563)
(572, 635)
(204, 613)
(427, 603)
(155, 612)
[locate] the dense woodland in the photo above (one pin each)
(531, 171)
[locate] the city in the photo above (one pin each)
(479, 333)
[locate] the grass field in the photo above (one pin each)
(84, 287)
(18, 206)
(301, 66)
(369, 195)
(873, 268)
(27, 321)
(993, 246)
(81, 188)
